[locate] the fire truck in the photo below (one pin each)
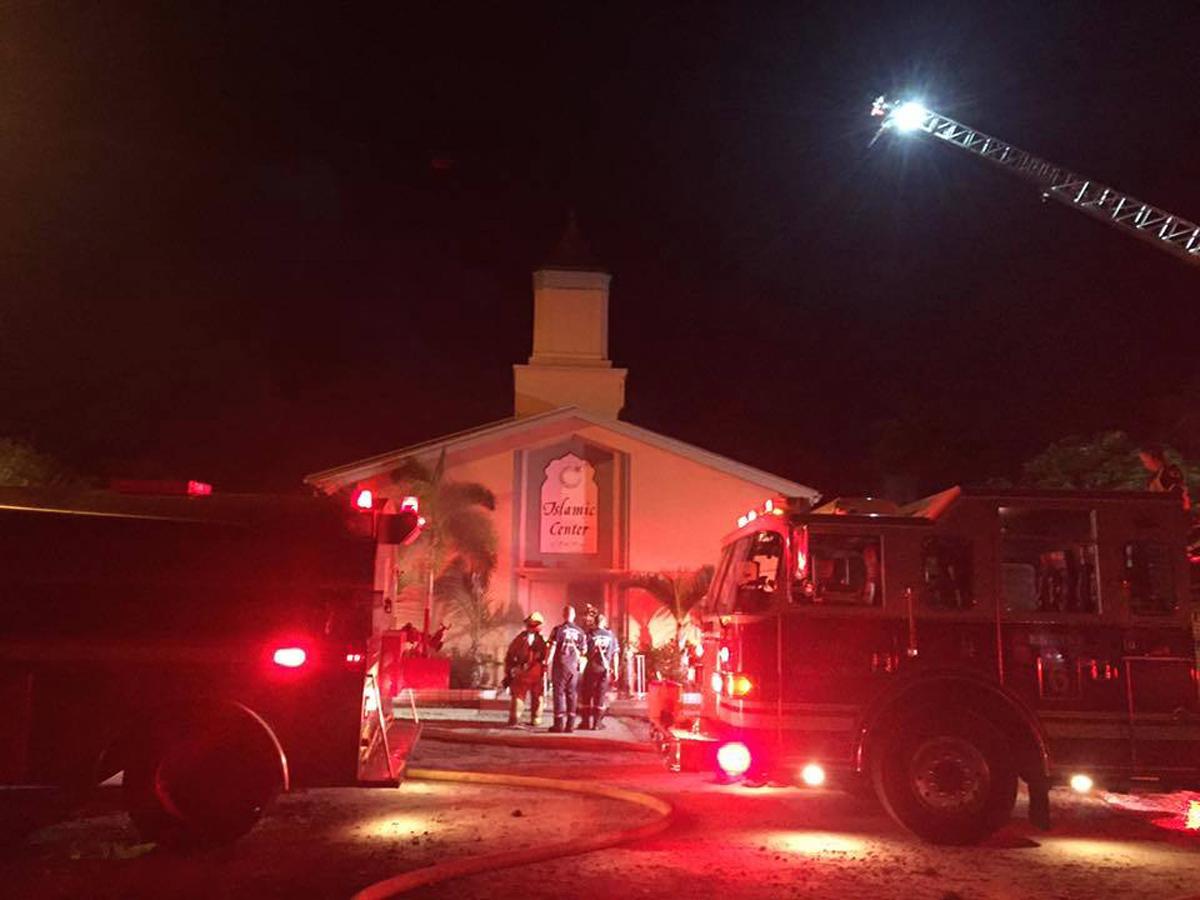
(939, 652)
(212, 648)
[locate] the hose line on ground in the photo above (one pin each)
(489, 862)
(517, 739)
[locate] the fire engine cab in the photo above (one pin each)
(940, 651)
(213, 648)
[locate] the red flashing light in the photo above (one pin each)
(353, 658)
(734, 759)
(164, 487)
(364, 500)
(289, 657)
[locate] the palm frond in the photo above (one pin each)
(655, 584)
(473, 536)
(455, 494)
(412, 472)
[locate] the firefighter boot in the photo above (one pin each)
(558, 727)
(598, 720)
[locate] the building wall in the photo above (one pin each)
(679, 510)
(672, 518)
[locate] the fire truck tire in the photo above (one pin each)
(949, 778)
(203, 781)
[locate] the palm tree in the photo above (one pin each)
(679, 592)
(463, 593)
(458, 533)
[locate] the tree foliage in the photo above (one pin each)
(459, 530)
(458, 543)
(679, 592)
(463, 594)
(23, 466)
(1105, 461)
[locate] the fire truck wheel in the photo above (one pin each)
(949, 778)
(204, 781)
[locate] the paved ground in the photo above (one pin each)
(729, 842)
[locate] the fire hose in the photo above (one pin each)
(577, 742)
(488, 862)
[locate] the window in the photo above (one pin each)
(725, 594)
(843, 570)
(758, 579)
(1048, 560)
(946, 570)
(750, 574)
(720, 579)
(1147, 579)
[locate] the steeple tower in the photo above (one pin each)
(570, 364)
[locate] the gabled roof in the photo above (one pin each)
(329, 479)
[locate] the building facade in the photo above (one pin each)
(584, 499)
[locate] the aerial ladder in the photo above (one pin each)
(1167, 231)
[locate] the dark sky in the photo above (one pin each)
(242, 242)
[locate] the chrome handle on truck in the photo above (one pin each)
(910, 605)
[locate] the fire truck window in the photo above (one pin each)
(720, 578)
(946, 569)
(758, 572)
(725, 594)
(1147, 578)
(844, 570)
(1048, 560)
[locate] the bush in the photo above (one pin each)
(665, 662)
(470, 670)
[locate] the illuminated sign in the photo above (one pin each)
(568, 506)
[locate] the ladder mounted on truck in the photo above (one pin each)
(1167, 231)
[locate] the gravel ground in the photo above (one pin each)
(317, 843)
(727, 841)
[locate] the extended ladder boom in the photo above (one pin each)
(1170, 232)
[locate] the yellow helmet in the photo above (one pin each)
(534, 618)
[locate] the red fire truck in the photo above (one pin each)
(941, 651)
(213, 648)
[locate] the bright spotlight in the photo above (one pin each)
(812, 775)
(909, 116)
(734, 759)
(1081, 783)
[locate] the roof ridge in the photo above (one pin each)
(697, 454)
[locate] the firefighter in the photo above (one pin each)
(524, 669)
(602, 656)
(1165, 477)
(568, 643)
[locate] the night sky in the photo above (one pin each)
(242, 242)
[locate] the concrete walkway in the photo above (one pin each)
(494, 722)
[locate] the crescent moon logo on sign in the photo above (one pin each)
(571, 476)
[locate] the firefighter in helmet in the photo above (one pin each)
(524, 668)
(568, 643)
(1165, 476)
(602, 656)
